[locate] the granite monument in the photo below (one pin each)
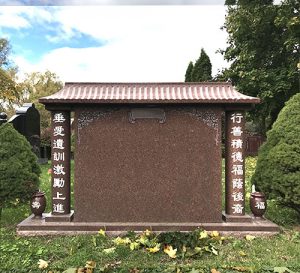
(148, 155)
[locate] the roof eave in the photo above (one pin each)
(124, 101)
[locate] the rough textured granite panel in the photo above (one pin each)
(148, 171)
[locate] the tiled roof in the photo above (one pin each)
(148, 93)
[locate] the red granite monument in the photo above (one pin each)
(147, 155)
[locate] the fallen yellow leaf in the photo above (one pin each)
(147, 232)
(203, 234)
(90, 265)
(101, 232)
(143, 240)
(214, 234)
(242, 253)
(214, 271)
(42, 264)
(134, 245)
(170, 251)
(122, 241)
(109, 250)
(250, 237)
(198, 249)
(154, 249)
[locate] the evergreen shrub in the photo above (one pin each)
(277, 172)
(19, 170)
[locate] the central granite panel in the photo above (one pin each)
(155, 165)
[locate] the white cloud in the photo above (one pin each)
(144, 43)
(13, 21)
(18, 17)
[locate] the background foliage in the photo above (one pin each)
(9, 89)
(14, 91)
(19, 171)
(278, 168)
(35, 86)
(264, 49)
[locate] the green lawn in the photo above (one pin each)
(270, 254)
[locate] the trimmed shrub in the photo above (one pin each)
(19, 171)
(277, 172)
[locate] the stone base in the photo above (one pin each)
(236, 219)
(34, 227)
(49, 217)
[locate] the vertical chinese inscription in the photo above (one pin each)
(60, 162)
(235, 170)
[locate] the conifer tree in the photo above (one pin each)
(188, 73)
(202, 68)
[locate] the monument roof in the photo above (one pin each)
(97, 92)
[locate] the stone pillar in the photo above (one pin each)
(235, 167)
(60, 158)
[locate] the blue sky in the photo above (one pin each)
(34, 42)
(113, 43)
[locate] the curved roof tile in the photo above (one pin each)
(204, 92)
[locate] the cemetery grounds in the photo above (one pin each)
(139, 253)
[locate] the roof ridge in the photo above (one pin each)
(152, 83)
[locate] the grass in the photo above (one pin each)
(269, 254)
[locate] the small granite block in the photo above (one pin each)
(59, 218)
(236, 219)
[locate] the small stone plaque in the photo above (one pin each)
(147, 113)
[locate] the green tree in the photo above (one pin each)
(188, 73)
(278, 166)
(202, 68)
(263, 48)
(19, 171)
(230, 2)
(5, 49)
(247, 2)
(10, 90)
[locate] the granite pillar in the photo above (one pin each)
(60, 158)
(235, 167)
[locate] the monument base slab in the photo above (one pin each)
(236, 219)
(59, 218)
(34, 227)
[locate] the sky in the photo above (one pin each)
(122, 42)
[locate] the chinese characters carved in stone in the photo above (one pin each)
(60, 162)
